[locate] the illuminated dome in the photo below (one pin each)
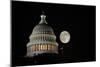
(42, 39)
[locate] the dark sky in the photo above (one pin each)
(79, 20)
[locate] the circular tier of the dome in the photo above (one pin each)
(42, 33)
(42, 29)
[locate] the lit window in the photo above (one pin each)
(40, 47)
(43, 47)
(33, 48)
(49, 47)
(36, 47)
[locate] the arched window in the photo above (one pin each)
(36, 47)
(33, 48)
(40, 47)
(53, 47)
(45, 46)
(49, 47)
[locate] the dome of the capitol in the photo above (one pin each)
(43, 29)
(42, 39)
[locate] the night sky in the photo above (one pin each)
(78, 20)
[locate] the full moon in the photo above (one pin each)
(64, 37)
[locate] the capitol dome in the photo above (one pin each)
(43, 29)
(42, 39)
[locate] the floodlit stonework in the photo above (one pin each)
(42, 39)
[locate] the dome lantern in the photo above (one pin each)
(43, 17)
